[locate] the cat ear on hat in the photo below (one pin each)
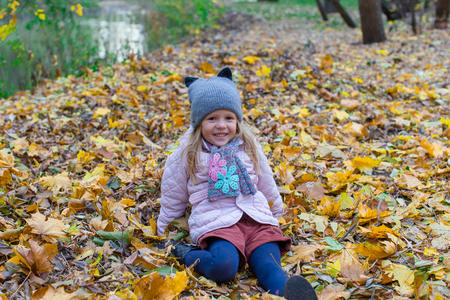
(225, 72)
(189, 80)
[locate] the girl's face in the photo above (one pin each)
(219, 127)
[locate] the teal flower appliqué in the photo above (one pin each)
(227, 180)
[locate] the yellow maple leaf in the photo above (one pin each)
(207, 67)
(372, 252)
(85, 157)
(366, 213)
(433, 149)
(377, 232)
(333, 268)
(49, 230)
(364, 163)
(58, 183)
(326, 62)
(341, 115)
(251, 59)
(264, 71)
(403, 275)
(153, 286)
(329, 206)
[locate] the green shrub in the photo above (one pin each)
(48, 41)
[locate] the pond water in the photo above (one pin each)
(119, 29)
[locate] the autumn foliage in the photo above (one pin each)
(357, 137)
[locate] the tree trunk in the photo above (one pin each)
(348, 20)
(329, 6)
(322, 10)
(442, 10)
(371, 21)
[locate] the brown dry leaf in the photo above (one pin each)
(354, 129)
(58, 183)
(50, 230)
(350, 104)
(285, 172)
(36, 150)
(313, 190)
(98, 224)
(20, 145)
(153, 286)
(304, 253)
(333, 292)
(409, 181)
(7, 158)
(49, 292)
(37, 259)
(351, 268)
(267, 296)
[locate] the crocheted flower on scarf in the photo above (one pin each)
(227, 180)
(216, 165)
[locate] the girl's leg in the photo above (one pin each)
(219, 263)
(265, 263)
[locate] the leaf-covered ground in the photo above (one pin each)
(357, 135)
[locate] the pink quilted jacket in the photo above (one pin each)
(177, 190)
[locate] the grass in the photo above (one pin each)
(305, 10)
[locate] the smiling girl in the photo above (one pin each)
(221, 170)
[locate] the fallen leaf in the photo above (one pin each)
(57, 184)
(403, 275)
(304, 253)
(36, 258)
(50, 230)
(153, 286)
(49, 292)
(333, 292)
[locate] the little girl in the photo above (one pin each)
(221, 170)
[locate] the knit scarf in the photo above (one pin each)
(227, 174)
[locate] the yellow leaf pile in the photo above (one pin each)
(357, 138)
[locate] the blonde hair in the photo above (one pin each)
(194, 147)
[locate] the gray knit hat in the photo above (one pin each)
(208, 95)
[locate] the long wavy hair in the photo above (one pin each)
(194, 147)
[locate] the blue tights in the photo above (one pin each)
(221, 261)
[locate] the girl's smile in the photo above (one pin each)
(219, 127)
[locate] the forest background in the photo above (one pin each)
(357, 136)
